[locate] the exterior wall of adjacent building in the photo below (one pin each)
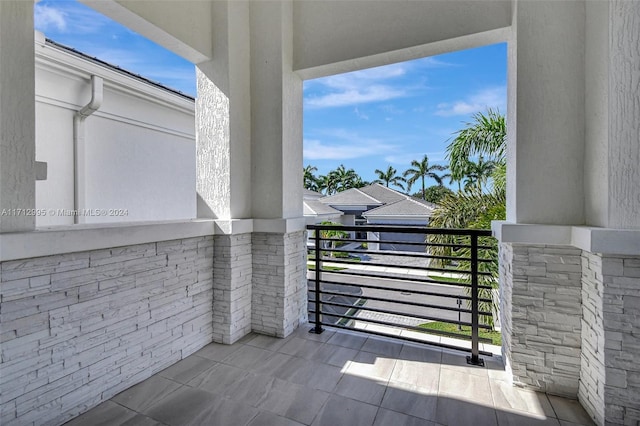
(137, 160)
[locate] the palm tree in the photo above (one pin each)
(326, 184)
(477, 173)
(309, 179)
(473, 208)
(485, 135)
(421, 170)
(390, 178)
(359, 183)
(344, 179)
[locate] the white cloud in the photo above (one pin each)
(355, 97)
(432, 62)
(46, 18)
(348, 145)
(358, 87)
(494, 97)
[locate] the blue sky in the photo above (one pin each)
(366, 120)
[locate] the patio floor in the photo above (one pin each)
(335, 378)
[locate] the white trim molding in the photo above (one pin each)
(75, 238)
(588, 238)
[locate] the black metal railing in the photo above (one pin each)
(401, 278)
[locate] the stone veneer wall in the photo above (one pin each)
(78, 328)
(610, 374)
(232, 287)
(279, 294)
(541, 316)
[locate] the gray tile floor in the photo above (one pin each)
(335, 378)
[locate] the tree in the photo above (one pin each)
(421, 170)
(344, 179)
(359, 183)
(477, 173)
(433, 193)
(309, 179)
(485, 135)
(326, 184)
(473, 208)
(330, 236)
(390, 177)
(339, 179)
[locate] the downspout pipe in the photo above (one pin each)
(78, 142)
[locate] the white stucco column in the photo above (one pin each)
(276, 114)
(223, 170)
(223, 118)
(279, 290)
(17, 116)
(612, 169)
(545, 113)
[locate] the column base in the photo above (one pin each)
(541, 316)
(279, 291)
(232, 272)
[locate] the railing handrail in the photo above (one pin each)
(472, 272)
(403, 229)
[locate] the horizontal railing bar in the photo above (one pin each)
(408, 339)
(422, 317)
(426, 244)
(390, 253)
(413, 278)
(418, 280)
(389, 311)
(408, 327)
(384, 252)
(403, 266)
(408, 303)
(366, 273)
(360, 240)
(424, 293)
(402, 229)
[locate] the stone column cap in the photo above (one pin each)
(589, 238)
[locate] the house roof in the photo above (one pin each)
(406, 207)
(115, 68)
(351, 197)
(382, 193)
(316, 208)
(308, 194)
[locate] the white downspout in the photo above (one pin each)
(78, 142)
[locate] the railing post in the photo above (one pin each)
(318, 266)
(474, 359)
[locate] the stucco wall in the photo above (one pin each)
(139, 147)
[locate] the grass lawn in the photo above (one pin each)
(449, 279)
(312, 266)
(496, 337)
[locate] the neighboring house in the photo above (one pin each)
(407, 212)
(317, 212)
(379, 205)
(133, 153)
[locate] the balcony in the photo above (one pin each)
(335, 378)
